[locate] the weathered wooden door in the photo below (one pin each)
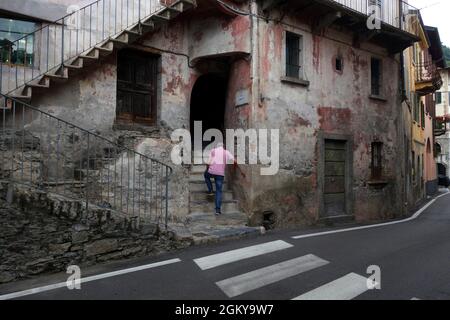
(335, 178)
(136, 87)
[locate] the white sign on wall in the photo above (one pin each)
(242, 98)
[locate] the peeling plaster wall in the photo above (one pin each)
(334, 103)
(89, 98)
(218, 34)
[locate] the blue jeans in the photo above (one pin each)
(218, 180)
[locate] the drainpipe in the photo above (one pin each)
(403, 120)
(255, 58)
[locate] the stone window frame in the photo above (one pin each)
(301, 80)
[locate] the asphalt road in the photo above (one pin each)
(413, 257)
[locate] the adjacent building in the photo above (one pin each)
(443, 116)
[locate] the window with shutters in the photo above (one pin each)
(136, 87)
(294, 56)
(422, 114)
(416, 108)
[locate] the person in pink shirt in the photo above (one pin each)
(219, 157)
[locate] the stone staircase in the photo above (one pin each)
(22, 84)
(202, 222)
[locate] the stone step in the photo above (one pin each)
(203, 196)
(219, 234)
(229, 218)
(198, 169)
(195, 186)
(206, 206)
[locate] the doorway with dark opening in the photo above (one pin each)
(208, 101)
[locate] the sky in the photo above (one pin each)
(436, 13)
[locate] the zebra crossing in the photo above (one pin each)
(346, 287)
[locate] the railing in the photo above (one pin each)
(74, 34)
(428, 72)
(53, 155)
(393, 12)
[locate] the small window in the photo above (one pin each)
(422, 114)
(376, 77)
(438, 97)
(377, 159)
(339, 64)
(293, 56)
(416, 108)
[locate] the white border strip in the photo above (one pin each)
(227, 257)
(88, 279)
(414, 217)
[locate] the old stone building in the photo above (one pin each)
(422, 80)
(326, 74)
(442, 113)
(312, 69)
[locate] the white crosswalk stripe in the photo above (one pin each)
(223, 258)
(345, 288)
(241, 284)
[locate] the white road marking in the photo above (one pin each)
(238, 285)
(415, 299)
(219, 259)
(88, 279)
(414, 217)
(345, 288)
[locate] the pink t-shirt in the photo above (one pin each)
(218, 159)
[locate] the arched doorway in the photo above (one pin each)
(208, 101)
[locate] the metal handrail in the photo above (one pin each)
(57, 43)
(53, 155)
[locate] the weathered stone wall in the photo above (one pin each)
(334, 103)
(44, 233)
(88, 99)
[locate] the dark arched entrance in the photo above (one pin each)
(208, 101)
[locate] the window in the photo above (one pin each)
(376, 77)
(416, 108)
(422, 114)
(377, 158)
(438, 97)
(339, 64)
(293, 56)
(16, 46)
(413, 167)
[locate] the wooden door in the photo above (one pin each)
(136, 87)
(335, 178)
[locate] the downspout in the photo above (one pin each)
(255, 74)
(403, 119)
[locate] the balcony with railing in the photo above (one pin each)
(390, 24)
(428, 78)
(394, 13)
